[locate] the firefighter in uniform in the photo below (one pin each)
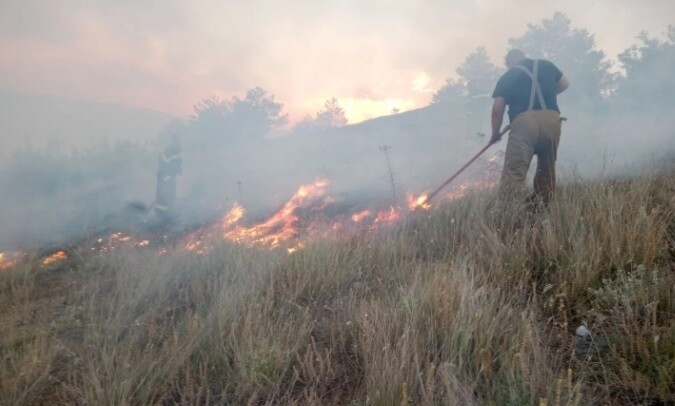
(168, 167)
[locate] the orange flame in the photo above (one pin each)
(57, 256)
(356, 218)
(234, 215)
(10, 260)
(290, 227)
(116, 240)
(286, 228)
(419, 202)
(387, 216)
(281, 226)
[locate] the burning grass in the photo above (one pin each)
(469, 303)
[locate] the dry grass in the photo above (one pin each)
(474, 303)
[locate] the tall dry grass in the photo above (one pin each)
(473, 303)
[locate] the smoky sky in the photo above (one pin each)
(372, 56)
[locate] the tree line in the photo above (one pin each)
(643, 81)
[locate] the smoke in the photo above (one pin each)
(62, 124)
(167, 57)
(50, 194)
(261, 173)
(53, 197)
(50, 197)
(615, 143)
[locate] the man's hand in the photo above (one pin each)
(496, 137)
(498, 108)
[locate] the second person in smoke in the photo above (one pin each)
(169, 165)
(530, 88)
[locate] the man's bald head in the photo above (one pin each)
(513, 57)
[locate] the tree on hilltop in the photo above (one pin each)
(479, 73)
(332, 116)
(258, 112)
(575, 52)
(453, 90)
(216, 121)
(648, 80)
(477, 76)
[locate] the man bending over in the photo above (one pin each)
(530, 88)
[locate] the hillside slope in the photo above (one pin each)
(69, 123)
(470, 303)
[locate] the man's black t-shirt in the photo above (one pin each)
(514, 86)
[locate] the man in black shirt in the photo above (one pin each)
(529, 88)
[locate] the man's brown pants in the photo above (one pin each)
(535, 132)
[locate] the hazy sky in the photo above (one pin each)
(372, 55)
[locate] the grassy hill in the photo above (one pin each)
(63, 123)
(474, 302)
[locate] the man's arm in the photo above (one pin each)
(563, 84)
(498, 107)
